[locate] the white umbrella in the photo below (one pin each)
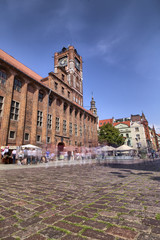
(107, 148)
(124, 148)
(30, 146)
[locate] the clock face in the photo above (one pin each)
(77, 64)
(63, 61)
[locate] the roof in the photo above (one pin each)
(125, 122)
(82, 108)
(105, 121)
(15, 63)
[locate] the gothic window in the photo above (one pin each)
(12, 134)
(57, 124)
(1, 105)
(70, 128)
(3, 77)
(14, 110)
(39, 119)
(64, 126)
(38, 138)
(17, 85)
(26, 136)
(75, 129)
(49, 123)
(40, 96)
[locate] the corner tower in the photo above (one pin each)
(68, 66)
(93, 108)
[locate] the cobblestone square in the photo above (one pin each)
(79, 202)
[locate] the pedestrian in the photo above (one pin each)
(14, 156)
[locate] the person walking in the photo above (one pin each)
(14, 156)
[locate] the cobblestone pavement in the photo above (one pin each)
(80, 202)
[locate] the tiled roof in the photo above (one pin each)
(125, 122)
(12, 61)
(102, 122)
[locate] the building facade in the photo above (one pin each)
(135, 131)
(47, 112)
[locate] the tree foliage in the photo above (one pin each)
(110, 135)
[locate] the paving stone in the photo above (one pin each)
(52, 233)
(95, 224)
(150, 221)
(72, 237)
(67, 226)
(122, 232)
(74, 219)
(8, 231)
(97, 235)
(52, 219)
(30, 221)
(36, 237)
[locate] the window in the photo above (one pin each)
(38, 138)
(26, 136)
(70, 128)
(64, 107)
(80, 131)
(55, 85)
(58, 102)
(3, 77)
(1, 105)
(75, 143)
(69, 94)
(17, 85)
(12, 134)
(81, 114)
(76, 112)
(127, 135)
(14, 110)
(57, 124)
(136, 129)
(75, 126)
(137, 136)
(71, 110)
(50, 101)
(49, 124)
(48, 139)
(64, 126)
(39, 119)
(62, 90)
(63, 77)
(40, 97)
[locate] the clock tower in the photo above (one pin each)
(68, 67)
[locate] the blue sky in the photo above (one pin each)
(119, 41)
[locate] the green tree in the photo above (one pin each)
(110, 135)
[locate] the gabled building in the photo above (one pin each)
(136, 131)
(47, 112)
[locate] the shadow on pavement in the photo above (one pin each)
(153, 165)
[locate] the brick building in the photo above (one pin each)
(46, 112)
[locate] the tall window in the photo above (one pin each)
(75, 126)
(70, 128)
(80, 131)
(136, 129)
(17, 85)
(38, 138)
(1, 105)
(39, 119)
(14, 110)
(57, 124)
(26, 136)
(62, 90)
(50, 101)
(3, 77)
(40, 97)
(49, 124)
(64, 126)
(12, 134)
(55, 85)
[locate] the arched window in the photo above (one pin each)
(40, 96)
(3, 77)
(17, 85)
